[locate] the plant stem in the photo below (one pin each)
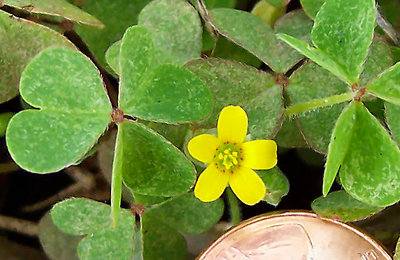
(19, 225)
(73, 190)
(8, 167)
(116, 184)
(318, 103)
(234, 207)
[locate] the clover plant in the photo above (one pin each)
(147, 84)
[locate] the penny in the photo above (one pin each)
(296, 236)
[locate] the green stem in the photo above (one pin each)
(234, 207)
(318, 103)
(116, 183)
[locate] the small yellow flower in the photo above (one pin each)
(231, 160)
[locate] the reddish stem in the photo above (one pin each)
(137, 209)
(117, 116)
(281, 80)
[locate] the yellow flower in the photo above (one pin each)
(231, 160)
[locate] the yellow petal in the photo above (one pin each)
(247, 185)
(259, 154)
(211, 184)
(232, 124)
(203, 147)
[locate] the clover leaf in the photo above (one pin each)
(162, 225)
(342, 33)
(340, 205)
(18, 49)
(175, 29)
(78, 216)
(150, 164)
(60, 8)
(73, 111)
(257, 37)
(369, 172)
(306, 86)
(163, 93)
(158, 237)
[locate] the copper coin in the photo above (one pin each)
(295, 236)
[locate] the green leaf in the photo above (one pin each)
(342, 33)
(269, 12)
(387, 86)
(211, 4)
(289, 135)
(169, 94)
(392, 113)
(136, 60)
(208, 41)
(174, 133)
(376, 106)
(256, 36)
(117, 16)
(297, 24)
(340, 205)
(56, 244)
(339, 145)
(277, 185)
(315, 55)
(146, 200)
(160, 241)
(107, 244)
(396, 53)
(343, 30)
(369, 172)
(18, 49)
(324, 118)
(166, 93)
(44, 142)
(237, 84)
(80, 216)
(112, 56)
(59, 8)
(278, 2)
(74, 112)
(150, 164)
(378, 60)
(390, 10)
(227, 50)
(50, 82)
(311, 7)
(187, 214)
(175, 29)
(305, 86)
(106, 155)
(4, 119)
(138, 242)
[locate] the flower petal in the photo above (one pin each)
(211, 184)
(259, 154)
(202, 147)
(232, 124)
(247, 185)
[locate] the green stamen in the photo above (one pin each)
(227, 157)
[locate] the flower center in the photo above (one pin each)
(228, 157)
